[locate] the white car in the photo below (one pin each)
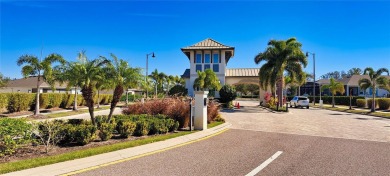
(300, 101)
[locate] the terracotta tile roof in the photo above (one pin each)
(242, 72)
(208, 44)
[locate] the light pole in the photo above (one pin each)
(314, 75)
(146, 74)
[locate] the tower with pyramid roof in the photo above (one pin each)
(207, 54)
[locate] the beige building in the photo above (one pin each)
(210, 54)
(29, 85)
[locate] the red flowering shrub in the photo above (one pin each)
(212, 111)
(173, 108)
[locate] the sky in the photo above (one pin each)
(342, 34)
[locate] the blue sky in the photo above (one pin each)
(343, 34)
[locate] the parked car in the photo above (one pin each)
(300, 101)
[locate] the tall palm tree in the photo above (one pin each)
(280, 57)
(372, 82)
(40, 68)
(121, 76)
(207, 80)
(334, 87)
(89, 72)
(70, 75)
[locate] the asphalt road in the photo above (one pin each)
(312, 142)
(238, 152)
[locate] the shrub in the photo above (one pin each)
(384, 103)
(80, 100)
(219, 118)
(361, 103)
(125, 128)
(13, 134)
(142, 128)
(212, 111)
(3, 101)
(176, 109)
(84, 133)
(50, 133)
(20, 102)
(227, 93)
(105, 130)
(55, 100)
(369, 103)
(44, 100)
(67, 100)
(178, 90)
(75, 121)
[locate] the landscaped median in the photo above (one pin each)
(51, 159)
(341, 108)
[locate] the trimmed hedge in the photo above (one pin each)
(16, 102)
(369, 103)
(361, 103)
(20, 102)
(384, 103)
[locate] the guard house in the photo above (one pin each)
(207, 54)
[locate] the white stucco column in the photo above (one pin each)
(200, 118)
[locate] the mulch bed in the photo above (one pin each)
(29, 152)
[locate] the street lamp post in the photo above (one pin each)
(314, 76)
(146, 74)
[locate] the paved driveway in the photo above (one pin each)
(312, 122)
(301, 142)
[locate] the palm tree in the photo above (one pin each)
(384, 83)
(334, 87)
(89, 72)
(69, 73)
(280, 56)
(372, 82)
(121, 77)
(40, 68)
(3, 80)
(354, 71)
(170, 79)
(207, 80)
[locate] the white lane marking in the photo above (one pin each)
(264, 164)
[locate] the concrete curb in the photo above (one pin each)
(111, 157)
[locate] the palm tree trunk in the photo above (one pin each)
(98, 100)
(332, 100)
(280, 91)
(36, 112)
(75, 99)
(115, 99)
(373, 98)
(88, 97)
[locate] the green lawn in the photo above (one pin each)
(343, 108)
(41, 161)
(214, 124)
(81, 111)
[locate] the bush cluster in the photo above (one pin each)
(176, 109)
(14, 133)
(384, 103)
(361, 103)
(16, 102)
(227, 93)
(141, 125)
(178, 90)
(20, 102)
(369, 103)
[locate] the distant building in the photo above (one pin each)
(351, 86)
(29, 85)
(210, 54)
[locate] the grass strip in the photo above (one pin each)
(356, 111)
(214, 124)
(41, 161)
(81, 111)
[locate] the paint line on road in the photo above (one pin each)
(142, 155)
(264, 164)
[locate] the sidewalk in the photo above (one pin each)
(68, 167)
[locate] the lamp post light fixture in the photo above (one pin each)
(146, 74)
(314, 76)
